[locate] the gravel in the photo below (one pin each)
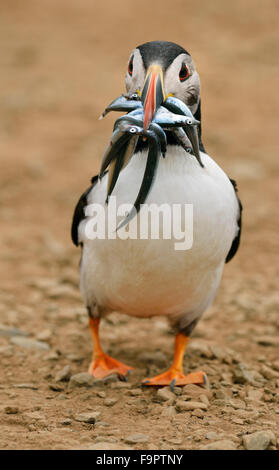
(219, 445)
(190, 405)
(164, 394)
(63, 375)
(29, 343)
(83, 379)
(88, 417)
(259, 440)
(136, 439)
(7, 331)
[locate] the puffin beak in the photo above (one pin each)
(153, 93)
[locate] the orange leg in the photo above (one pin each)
(102, 364)
(174, 375)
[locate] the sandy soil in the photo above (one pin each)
(61, 63)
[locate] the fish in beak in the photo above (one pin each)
(153, 93)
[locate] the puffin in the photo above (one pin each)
(148, 277)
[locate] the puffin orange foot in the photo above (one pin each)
(105, 365)
(173, 378)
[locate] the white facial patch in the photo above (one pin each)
(187, 91)
(135, 81)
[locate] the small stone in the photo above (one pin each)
(110, 401)
(9, 332)
(219, 445)
(101, 394)
(88, 417)
(27, 386)
(83, 379)
(255, 395)
(108, 446)
(11, 410)
(56, 387)
(169, 412)
(135, 392)
(29, 343)
(190, 405)
(269, 373)
(259, 440)
(268, 340)
(198, 413)
(275, 365)
(236, 404)
(44, 335)
(66, 422)
(242, 376)
(194, 391)
(63, 375)
(136, 439)
(52, 356)
(237, 421)
(164, 394)
(212, 435)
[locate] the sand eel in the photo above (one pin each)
(147, 277)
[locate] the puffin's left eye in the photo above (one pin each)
(184, 73)
(130, 66)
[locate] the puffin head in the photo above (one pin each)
(159, 69)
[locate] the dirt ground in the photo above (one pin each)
(61, 63)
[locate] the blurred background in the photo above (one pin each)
(62, 62)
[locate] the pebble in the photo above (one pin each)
(237, 421)
(135, 392)
(56, 387)
(136, 439)
(212, 435)
(88, 417)
(259, 440)
(83, 379)
(219, 445)
(66, 422)
(190, 405)
(198, 413)
(63, 375)
(269, 373)
(242, 376)
(110, 401)
(195, 391)
(169, 412)
(29, 343)
(108, 446)
(11, 410)
(268, 340)
(27, 386)
(236, 404)
(44, 335)
(255, 395)
(9, 332)
(164, 394)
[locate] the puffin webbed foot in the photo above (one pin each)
(174, 377)
(104, 365)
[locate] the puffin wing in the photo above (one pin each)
(79, 215)
(236, 240)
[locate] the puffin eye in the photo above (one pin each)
(130, 66)
(184, 72)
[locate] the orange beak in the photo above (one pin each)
(153, 93)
